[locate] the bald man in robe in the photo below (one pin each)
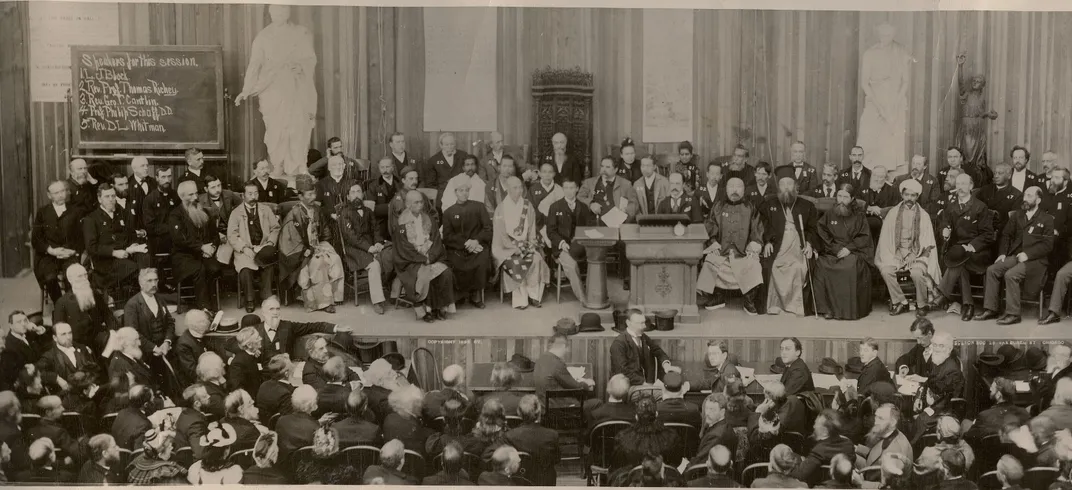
(419, 251)
(731, 259)
(906, 242)
(517, 248)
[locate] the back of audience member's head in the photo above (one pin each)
(618, 387)
(492, 420)
(953, 463)
(50, 407)
(406, 401)
(356, 404)
(210, 367)
(335, 369)
(195, 393)
(783, 459)
(719, 460)
(42, 452)
(266, 450)
(279, 367)
(99, 446)
(530, 409)
(453, 376)
(1006, 388)
(303, 399)
(1010, 471)
(776, 392)
(453, 411)
(948, 429)
(505, 460)
(504, 376)
(325, 442)
(393, 454)
(841, 469)
(452, 458)
(650, 474)
(141, 397)
(831, 422)
(646, 411)
(1042, 428)
(769, 421)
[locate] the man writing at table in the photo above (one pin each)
(551, 373)
(637, 357)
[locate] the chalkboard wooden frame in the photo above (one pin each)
(218, 143)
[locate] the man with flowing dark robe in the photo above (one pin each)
(467, 237)
(56, 240)
(362, 242)
(428, 282)
(731, 259)
(842, 274)
(967, 227)
(194, 238)
(788, 236)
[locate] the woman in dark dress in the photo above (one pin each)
(647, 437)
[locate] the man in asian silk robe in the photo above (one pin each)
(842, 275)
(967, 227)
(467, 237)
(731, 259)
(907, 243)
(428, 282)
(788, 237)
(306, 257)
(517, 248)
(362, 242)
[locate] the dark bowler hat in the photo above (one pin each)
(1035, 358)
(778, 367)
(522, 363)
(1011, 353)
(250, 320)
(854, 365)
(266, 257)
(229, 325)
(829, 366)
(956, 256)
(566, 326)
(590, 323)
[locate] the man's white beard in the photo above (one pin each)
(197, 215)
(83, 294)
(938, 358)
(876, 434)
(133, 352)
(271, 323)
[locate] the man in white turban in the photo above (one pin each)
(907, 243)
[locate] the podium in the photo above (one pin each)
(596, 296)
(664, 268)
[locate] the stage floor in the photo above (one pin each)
(499, 320)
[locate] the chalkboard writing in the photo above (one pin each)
(147, 97)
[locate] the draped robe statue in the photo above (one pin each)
(883, 125)
(280, 75)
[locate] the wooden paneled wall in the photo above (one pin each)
(14, 139)
(762, 78)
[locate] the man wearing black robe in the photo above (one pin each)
(467, 237)
(86, 310)
(56, 240)
(842, 274)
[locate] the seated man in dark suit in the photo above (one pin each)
(66, 358)
(389, 471)
(273, 396)
(296, 429)
(453, 382)
(109, 241)
(673, 407)
(50, 426)
(994, 419)
(313, 373)
(45, 470)
(147, 312)
(791, 411)
(404, 423)
(101, 467)
(192, 343)
(636, 356)
(717, 430)
(539, 442)
(874, 370)
(355, 429)
(563, 218)
(130, 423)
(242, 414)
(720, 368)
(127, 359)
(719, 470)
(828, 442)
(193, 419)
(332, 395)
(245, 371)
(280, 336)
(452, 473)
(23, 344)
(616, 407)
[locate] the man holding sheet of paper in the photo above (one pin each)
(613, 199)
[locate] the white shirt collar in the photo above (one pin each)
(195, 172)
(122, 201)
(110, 215)
(649, 180)
(151, 302)
(60, 209)
(264, 182)
(69, 352)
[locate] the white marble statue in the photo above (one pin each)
(280, 75)
(883, 124)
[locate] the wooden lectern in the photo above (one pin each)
(596, 252)
(663, 268)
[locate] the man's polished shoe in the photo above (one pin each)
(1009, 320)
(478, 304)
(985, 315)
(1050, 317)
(429, 318)
(535, 303)
(898, 309)
(967, 313)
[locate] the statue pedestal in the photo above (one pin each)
(663, 268)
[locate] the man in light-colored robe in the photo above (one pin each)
(477, 186)
(306, 256)
(280, 74)
(907, 243)
(789, 234)
(516, 247)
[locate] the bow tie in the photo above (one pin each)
(798, 165)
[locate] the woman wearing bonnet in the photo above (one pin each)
(214, 468)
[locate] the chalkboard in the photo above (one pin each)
(147, 97)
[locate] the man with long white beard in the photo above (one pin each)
(85, 309)
(1023, 256)
(194, 237)
(56, 240)
(842, 274)
(155, 210)
(362, 242)
(1058, 366)
(517, 248)
(128, 360)
(788, 237)
(731, 259)
(968, 230)
(906, 242)
(110, 243)
(946, 381)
